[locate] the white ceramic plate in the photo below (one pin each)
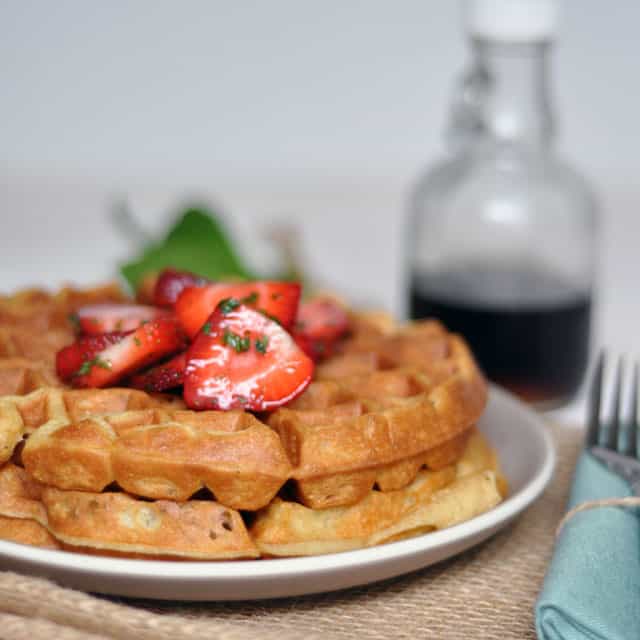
(527, 458)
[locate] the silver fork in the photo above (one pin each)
(613, 429)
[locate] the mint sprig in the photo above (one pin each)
(198, 242)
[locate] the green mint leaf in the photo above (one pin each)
(198, 242)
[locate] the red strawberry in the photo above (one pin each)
(148, 344)
(319, 325)
(170, 284)
(278, 300)
(95, 319)
(72, 359)
(243, 360)
(167, 375)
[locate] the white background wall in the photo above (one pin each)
(320, 112)
(199, 90)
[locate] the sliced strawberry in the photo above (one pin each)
(278, 300)
(167, 375)
(243, 360)
(95, 319)
(145, 346)
(319, 325)
(317, 350)
(72, 359)
(170, 284)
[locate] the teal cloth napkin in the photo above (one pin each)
(592, 587)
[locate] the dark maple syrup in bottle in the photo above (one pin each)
(501, 240)
(528, 329)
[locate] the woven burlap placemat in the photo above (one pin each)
(487, 592)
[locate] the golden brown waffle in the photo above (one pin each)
(22, 415)
(434, 500)
(34, 326)
(198, 529)
(21, 510)
(38, 310)
(27, 532)
(19, 376)
(31, 513)
(158, 453)
(27, 359)
(35, 346)
(116, 523)
(20, 495)
(345, 435)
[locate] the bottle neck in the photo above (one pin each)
(514, 103)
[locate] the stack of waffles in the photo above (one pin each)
(382, 445)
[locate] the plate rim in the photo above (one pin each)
(261, 569)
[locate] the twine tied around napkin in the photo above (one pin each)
(629, 501)
(592, 582)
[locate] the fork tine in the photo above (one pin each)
(626, 429)
(595, 397)
(614, 420)
(634, 418)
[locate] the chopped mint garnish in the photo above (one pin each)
(228, 305)
(86, 366)
(262, 344)
(235, 341)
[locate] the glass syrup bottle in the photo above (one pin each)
(502, 233)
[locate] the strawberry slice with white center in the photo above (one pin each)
(77, 357)
(167, 375)
(319, 325)
(148, 344)
(243, 360)
(95, 319)
(171, 283)
(278, 300)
